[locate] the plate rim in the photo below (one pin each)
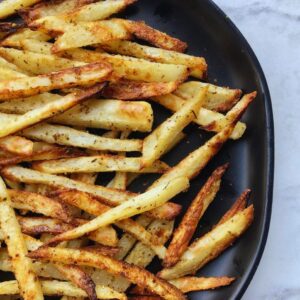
(270, 138)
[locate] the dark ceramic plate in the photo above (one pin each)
(210, 33)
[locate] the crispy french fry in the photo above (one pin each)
(154, 36)
(22, 266)
(210, 245)
(133, 68)
(155, 143)
(197, 65)
(218, 98)
(36, 63)
(52, 8)
(13, 123)
(89, 178)
(39, 204)
(54, 288)
(192, 164)
(186, 229)
(99, 163)
(134, 274)
(126, 89)
(8, 8)
(77, 138)
(16, 145)
(209, 120)
(7, 28)
(137, 205)
(189, 284)
(24, 87)
(90, 205)
(87, 33)
(169, 211)
(111, 196)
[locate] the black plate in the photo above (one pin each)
(210, 33)
(231, 62)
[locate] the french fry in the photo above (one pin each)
(52, 8)
(89, 178)
(90, 205)
(15, 123)
(111, 196)
(189, 284)
(8, 8)
(106, 114)
(39, 204)
(192, 164)
(94, 11)
(68, 136)
(209, 120)
(218, 98)
(22, 266)
(134, 274)
(155, 143)
(133, 68)
(169, 211)
(54, 288)
(137, 205)
(126, 89)
(99, 163)
(197, 65)
(210, 245)
(154, 36)
(87, 33)
(36, 63)
(16, 145)
(7, 28)
(186, 229)
(14, 40)
(23, 87)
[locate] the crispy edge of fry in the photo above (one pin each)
(55, 287)
(158, 140)
(186, 229)
(133, 273)
(154, 36)
(16, 145)
(127, 90)
(39, 204)
(136, 205)
(22, 265)
(8, 8)
(211, 245)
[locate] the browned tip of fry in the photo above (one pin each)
(169, 211)
(104, 250)
(238, 206)
(9, 27)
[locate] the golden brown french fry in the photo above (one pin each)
(186, 229)
(111, 196)
(189, 284)
(169, 211)
(52, 8)
(136, 275)
(133, 68)
(9, 70)
(210, 245)
(54, 288)
(85, 75)
(13, 123)
(30, 287)
(218, 98)
(8, 7)
(154, 36)
(99, 163)
(149, 200)
(197, 65)
(126, 89)
(16, 145)
(39, 204)
(77, 138)
(36, 63)
(90, 205)
(87, 33)
(159, 139)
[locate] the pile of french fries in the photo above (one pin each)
(74, 67)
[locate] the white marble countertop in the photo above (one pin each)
(272, 27)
